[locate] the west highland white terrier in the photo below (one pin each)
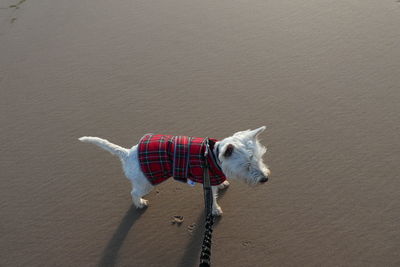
(158, 157)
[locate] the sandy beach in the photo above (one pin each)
(323, 76)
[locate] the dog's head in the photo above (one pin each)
(240, 157)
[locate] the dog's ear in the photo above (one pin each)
(229, 150)
(256, 132)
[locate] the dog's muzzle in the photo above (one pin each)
(264, 179)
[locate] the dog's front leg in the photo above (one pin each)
(224, 185)
(216, 209)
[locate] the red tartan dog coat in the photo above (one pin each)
(180, 157)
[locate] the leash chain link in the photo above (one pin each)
(205, 255)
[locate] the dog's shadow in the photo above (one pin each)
(191, 256)
(110, 253)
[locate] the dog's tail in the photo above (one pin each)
(106, 145)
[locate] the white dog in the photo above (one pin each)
(157, 157)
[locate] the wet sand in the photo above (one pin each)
(323, 76)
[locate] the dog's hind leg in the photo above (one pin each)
(140, 188)
(137, 199)
(140, 185)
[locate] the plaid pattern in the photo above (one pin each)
(181, 157)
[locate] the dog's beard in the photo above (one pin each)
(248, 178)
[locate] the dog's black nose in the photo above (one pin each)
(264, 179)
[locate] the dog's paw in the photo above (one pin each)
(224, 185)
(143, 204)
(217, 211)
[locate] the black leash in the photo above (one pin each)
(205, 255)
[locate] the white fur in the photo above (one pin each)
(245, 163)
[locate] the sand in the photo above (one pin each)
(323, 76)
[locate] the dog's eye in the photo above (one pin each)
(248, 166)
